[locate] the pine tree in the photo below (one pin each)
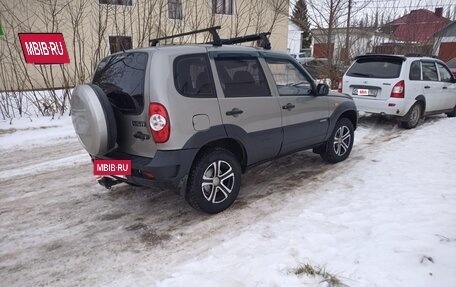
(299, 17)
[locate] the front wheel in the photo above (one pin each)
(214, 181)
(340, 143)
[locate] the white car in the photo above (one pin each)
(303, 58)
(402, 86)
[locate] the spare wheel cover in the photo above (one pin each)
(93, 119)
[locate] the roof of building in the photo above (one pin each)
(446, 30)
(419, 25)
(344, 30)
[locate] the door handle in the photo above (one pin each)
(234, 112)
(445, 88)
(427, 87)
(288, 106)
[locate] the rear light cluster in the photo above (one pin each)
(339, 88)
(398, 90)
(159, 122)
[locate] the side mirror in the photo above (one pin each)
(322, 90)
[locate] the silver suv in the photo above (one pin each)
(408, 87)
(198, 116)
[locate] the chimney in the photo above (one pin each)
(438, 12)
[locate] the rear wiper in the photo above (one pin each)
(361, 74)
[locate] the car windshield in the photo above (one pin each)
(376, 68)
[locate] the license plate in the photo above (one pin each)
(117, 167)
(364, 92)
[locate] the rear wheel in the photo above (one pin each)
(413, 117)
(340, 144)
(452, 114)
(214, 181)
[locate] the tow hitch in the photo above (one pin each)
(108, 182)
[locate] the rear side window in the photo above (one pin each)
(382, 68)
(429, 71)
(122, 77)
(241, 76)
(192, 76)
(415, 71)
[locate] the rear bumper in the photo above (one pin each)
(165, 167)
(390, 106)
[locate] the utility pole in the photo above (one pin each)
(347, 35)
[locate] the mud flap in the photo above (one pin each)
(319, 149)
(182, 186)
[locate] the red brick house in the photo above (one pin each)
(413, 33)
(445, 43)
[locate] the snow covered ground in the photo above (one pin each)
(385, 217)
(14, 105)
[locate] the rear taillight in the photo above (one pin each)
(159, 122)
(339, 88)
(398, 90)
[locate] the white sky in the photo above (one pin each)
(403, 6)
(396, 8)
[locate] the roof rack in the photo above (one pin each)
(413, 55)
(262, 38)
(212, 30)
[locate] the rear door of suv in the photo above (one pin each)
(122, 77)
(250, 113)
(304, 115)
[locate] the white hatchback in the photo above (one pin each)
(402, 86)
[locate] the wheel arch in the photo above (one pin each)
(344, 110)
(218, 140)
(352, 116)
(422, 101)
(229, 144)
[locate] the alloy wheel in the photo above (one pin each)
(218, 181)
(342, 140)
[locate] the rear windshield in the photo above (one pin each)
(121, 77)
(376, 68)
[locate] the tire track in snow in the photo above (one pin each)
(37, 155)
(301, 169)
(46, 166)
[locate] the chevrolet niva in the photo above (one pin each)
(199, 115)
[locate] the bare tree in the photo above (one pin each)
(87, 26)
